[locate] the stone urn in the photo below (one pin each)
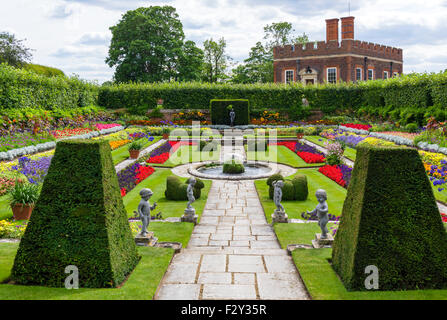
(299, 136)
(22, 211)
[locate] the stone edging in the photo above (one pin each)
(192, 170)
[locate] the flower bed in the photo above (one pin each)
(161, 154)
(118, 143)
(11, 229)
(311, 157)
(64, 133)
(308, 153)
(131, 176)
(341, 174)
(6, 184)
(357, 126)
(20, 140)
(101, 126)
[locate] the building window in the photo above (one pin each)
(396, 74)
(358, 74)
(385, 75)
(370, 74)
(332, 75)
(289, 76)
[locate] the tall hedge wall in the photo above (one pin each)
(390, 220)
(20, 88)
(410, 91)
(79, 219)
(221, 115)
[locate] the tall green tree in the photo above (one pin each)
(258, 67)
(13, 51)
(190, 63)
(216, 60)
(148, 46)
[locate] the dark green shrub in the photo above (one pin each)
(78, 220)
(43, 70)
(390, 220)
(176, 190)
(411, 127)
(300, 185)
(233, 167)
(221, 115)
(270, 180)
(288, 191)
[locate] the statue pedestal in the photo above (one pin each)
(279, 217)
(147, 240)
(190, 216)
(318, 242)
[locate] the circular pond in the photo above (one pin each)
(253, 170)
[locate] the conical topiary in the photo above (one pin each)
(78, 220)
(390, 220)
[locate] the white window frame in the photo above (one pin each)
(361, 74)
(372, 74)
(386, 75)
(327, 74)
(285, 75)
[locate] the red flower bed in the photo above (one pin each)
(311, 157)
(288, 144)
(177, 144)
(143, 172)
(123, 192)
(444, 217)
(333, 173)
(357, 126)
(58, 134)
(162, 158)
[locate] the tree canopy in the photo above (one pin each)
(216, 60)
(13, 51)
(148, 46)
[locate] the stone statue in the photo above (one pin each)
(190, 193)
(277, 194)
(190, 212)
(279, 215)
(322, 212)
(144, 209)
(232, 116)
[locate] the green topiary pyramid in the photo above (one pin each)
(78, 220)
(390, 220)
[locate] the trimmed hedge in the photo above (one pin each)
(221, 115)
(176, 190)
(44, 70)
(390, 220)
(78, 220)
(20, 88)
(295, 189)
(233, 167)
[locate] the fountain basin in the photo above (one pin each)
(214, 170)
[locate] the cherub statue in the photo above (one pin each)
(190, 193)
(277, 194)
(144, 209)
(321, 211)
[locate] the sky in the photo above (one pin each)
(74, 35)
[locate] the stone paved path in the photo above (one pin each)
(233, 253)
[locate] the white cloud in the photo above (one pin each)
(74, 34)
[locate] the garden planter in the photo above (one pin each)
(299, 136)
(134, 154)
(22, 211)
(166, 136)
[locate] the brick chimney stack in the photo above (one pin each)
(332, 30)
(347, 28)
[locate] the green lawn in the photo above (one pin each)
(323, 283)
(187, 154)
(297, 233)
(349, 153)
(315, 180)
(157, 183)
(141, 285)
(122, 153)
(280, 154)
(5, 208)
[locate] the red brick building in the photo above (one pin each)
(333, 61)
